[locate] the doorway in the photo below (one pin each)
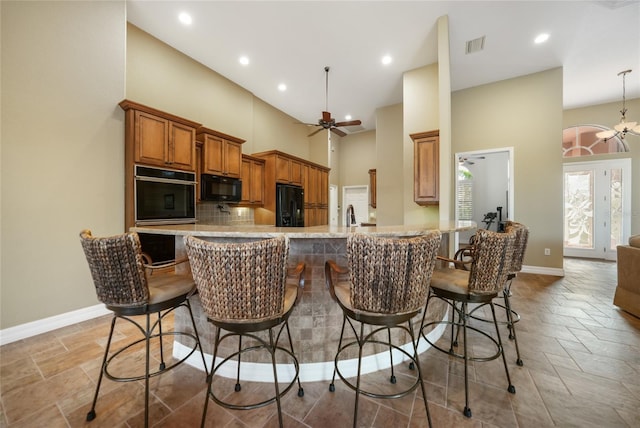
(597, 207)
(333, 205)
(358, 196)
(484, 189)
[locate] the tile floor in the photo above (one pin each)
(581, 368)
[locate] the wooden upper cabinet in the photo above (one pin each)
(426, 168)
(156, 138)
(221, 153)
(323, 187)
(284, 168)
(182, 148)
(372, 188)
(288, 171)
(252, 181)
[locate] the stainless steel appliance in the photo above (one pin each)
(289, 206)
(220, 189)
(164, 196)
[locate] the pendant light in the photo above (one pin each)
(623, 127)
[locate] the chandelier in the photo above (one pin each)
(623, 127)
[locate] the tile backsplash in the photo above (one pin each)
(223, 214)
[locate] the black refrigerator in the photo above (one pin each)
(289, 206)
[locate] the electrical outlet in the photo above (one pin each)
(547, 251)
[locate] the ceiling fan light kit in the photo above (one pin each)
(327, 122)
(621, 129)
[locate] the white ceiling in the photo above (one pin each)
(292, 41)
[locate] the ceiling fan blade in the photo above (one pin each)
(315, 132)
(339, 132)
(349, 123)
(326, 116)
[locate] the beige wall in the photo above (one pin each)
(524, 113)
(421, 113)
(63, 70)
(357, 154)
(389, 162)
(609, 115)
(163, 78)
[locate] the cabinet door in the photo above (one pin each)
(305, 184)
(283, 170)
(257, 183)
(426, 171)
(213, 155)
(296, 172)
(198, 172)
(232, 159)
(151, 139)
(312, 185)
(324, 189)
(310, 216)
(322, 216)
(246, 181)
(182, 147)
(372, 188)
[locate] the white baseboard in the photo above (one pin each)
(543, 270)
(23, 331)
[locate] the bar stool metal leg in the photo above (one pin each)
(91, 415)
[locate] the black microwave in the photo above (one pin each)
(220, 189)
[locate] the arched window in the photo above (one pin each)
(581, 140)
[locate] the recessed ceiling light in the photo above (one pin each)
(244, 60)
(185, 18)
(282, 87)
(386, 60)
(541, 38)
(347, 117)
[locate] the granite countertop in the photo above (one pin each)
(263, 231)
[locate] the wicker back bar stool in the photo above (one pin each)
(386, 287)
(244, 290)
(130, 288)
(486, 278)
(512, 317)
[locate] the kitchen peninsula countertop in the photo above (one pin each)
(316, 321)
(314, 232)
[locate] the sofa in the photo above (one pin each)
(627, 295)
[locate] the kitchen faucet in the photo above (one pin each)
(351, 216)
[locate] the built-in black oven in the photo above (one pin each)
(164, 196)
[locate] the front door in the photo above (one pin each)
(597, 207)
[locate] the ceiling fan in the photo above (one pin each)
(327, 122)
(467, 161)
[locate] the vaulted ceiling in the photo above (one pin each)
(291, 42)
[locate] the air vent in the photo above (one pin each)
(475, 45)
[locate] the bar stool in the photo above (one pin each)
(124, 285)
(512, 317)
(244, 290)
(488, 272)
(387, 287)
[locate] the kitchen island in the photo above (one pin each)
(316, 321)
